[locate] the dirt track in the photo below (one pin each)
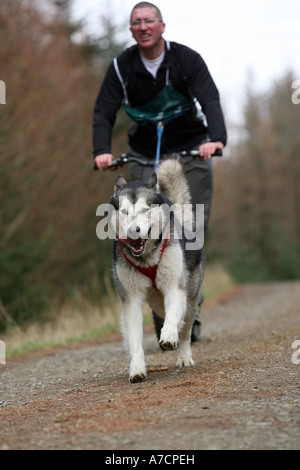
(243, 392)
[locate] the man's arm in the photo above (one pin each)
(108, 102)
(204, 89)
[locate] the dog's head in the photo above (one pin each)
(137, 217)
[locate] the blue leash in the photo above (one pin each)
(159, 130)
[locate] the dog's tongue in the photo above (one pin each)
(132, 241)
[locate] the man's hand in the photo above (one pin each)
(208, 149)
(104, 161)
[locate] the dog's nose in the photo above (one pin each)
(133, 231)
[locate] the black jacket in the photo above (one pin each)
(189, 75)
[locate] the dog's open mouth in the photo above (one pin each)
(137, 247)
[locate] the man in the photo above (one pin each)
(153, 76)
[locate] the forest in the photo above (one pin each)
(49, 192)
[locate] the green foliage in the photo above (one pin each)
(48, 189)
(20, 255)
(255, 225)
(23, 299)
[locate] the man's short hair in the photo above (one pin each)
(147, 5)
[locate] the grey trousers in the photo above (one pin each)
(199, 175)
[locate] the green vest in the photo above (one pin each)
(166, 105)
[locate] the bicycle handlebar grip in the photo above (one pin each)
(117, 162)
(218, 153)
(114, 163)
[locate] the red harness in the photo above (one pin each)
(149, 271)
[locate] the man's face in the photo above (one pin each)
(146, 27)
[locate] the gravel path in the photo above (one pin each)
(242, 393)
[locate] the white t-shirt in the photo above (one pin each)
(153, 65)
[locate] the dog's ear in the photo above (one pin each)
(114, 201)
(120, 182)
(152, 183)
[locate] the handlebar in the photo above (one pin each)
(124, 158)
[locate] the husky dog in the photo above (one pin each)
(152, 262)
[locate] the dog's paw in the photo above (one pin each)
(137, 374)
(167, 345)
(168, 341)
(185, 361)
(137, 378)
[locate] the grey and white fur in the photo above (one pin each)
(142, 223)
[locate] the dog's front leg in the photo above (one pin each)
(175, 308)
(185, 352)
(132, 326)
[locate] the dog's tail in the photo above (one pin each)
(173, 184)
(172, 181)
